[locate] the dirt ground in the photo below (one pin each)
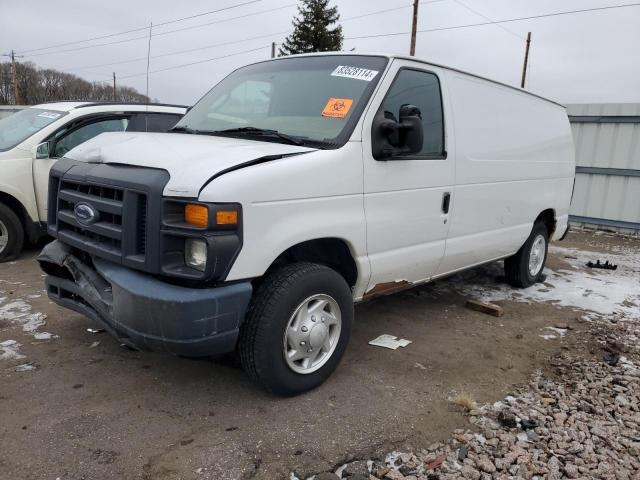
(92, 410)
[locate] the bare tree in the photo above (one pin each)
(38, 85)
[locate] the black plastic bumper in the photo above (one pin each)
(143, 312)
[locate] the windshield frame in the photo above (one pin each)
(40, 110)
(338, 142)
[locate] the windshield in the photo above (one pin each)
(16, 128)
(313, 100)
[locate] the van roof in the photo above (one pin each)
(419, 60)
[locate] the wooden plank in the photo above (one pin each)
(488, 308)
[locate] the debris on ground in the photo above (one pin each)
(485, 307)
(95, 330)
(389, 341)
(464, 400)
(605, 266)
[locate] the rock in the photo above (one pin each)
(356, 468)
(394, 475)
(379, 470)
(462, 453)
(485, 464)
(528, 424)
(571, 471)
(507, 419)
(326, 476)
(470, 472)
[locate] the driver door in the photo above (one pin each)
(407, 198)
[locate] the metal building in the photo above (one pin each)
(607, 188)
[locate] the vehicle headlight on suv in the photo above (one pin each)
(199, 238)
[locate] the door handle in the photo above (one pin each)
(446, 200)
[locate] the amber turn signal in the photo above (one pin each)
(196, 215)
(226, 217)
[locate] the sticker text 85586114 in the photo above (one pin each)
(356, 73)
(337, 107)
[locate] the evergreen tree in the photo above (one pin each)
(311, 31)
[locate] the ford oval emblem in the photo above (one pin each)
(86, 214)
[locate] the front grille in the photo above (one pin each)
(127, 201)
(106, 234)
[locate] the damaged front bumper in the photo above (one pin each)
(142, 311)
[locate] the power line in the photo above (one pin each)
(196, 63)
(508, 20)
(142, 28)
(509, 31)
(139, 59)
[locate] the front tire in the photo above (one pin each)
(525, 267)
(11, 234)
(297, 328)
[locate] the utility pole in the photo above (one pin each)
(273, 49)
(414, 28)
(14, 74)
(115, 98)
(526, 60)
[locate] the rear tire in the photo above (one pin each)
(525, 267)
(11, 234)
(272, 346)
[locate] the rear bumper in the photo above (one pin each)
(143, 312)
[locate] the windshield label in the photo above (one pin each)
(355, 72)
(337, 107)
(51, 115)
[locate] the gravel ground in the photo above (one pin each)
(579, 419)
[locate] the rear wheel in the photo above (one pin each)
(525, 267)
(11, 234)
(297, 328)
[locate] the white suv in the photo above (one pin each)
(296, 187)
(31, 140)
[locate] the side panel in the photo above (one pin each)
(514, 159)
(295, 199)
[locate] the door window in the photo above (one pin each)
(422, 89)
(87, 132)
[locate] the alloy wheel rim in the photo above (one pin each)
(4, 236)
(536, 255)
(312, 334)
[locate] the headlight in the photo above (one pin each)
(195, 254)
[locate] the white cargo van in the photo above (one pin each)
(295, 188)
(33, 138)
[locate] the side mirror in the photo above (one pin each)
(42, 151)
(390, 138)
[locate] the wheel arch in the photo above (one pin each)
(332, 252)
(29, 227)
(548, 218)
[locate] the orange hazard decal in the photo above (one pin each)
(337, 107)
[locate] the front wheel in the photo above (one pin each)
(11, 234)
(525, 267)
(297, 328)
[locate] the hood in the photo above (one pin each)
(191, 160)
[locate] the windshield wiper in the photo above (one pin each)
(182, 129)
(262, 131)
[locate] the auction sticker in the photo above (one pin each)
(52, 115)
(337, 107)
(355, 72)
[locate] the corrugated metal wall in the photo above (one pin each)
(607, 141)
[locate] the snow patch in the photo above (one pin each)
(600, 292)
(10, 350)
(18, 312)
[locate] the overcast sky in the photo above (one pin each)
(581, 58)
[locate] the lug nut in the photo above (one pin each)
(313, 318)
(303, 343)
(304, 328)
(310, 350)
(322, 319)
